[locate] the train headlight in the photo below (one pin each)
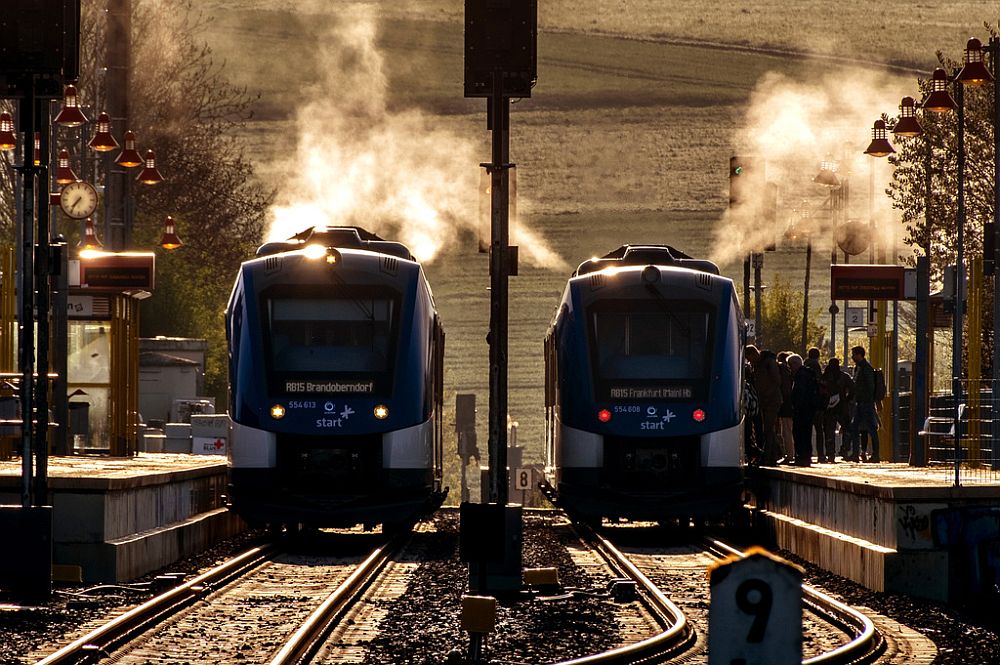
(277, 412)
(604, 415)
(698, 415)
(333, 257)
(314, 251)
(381, 412)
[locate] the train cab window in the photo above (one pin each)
(330, 334)
(641, 343)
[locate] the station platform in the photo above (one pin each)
(115, 519)
(889, 527)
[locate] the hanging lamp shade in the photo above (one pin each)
(827, 175)
(149, 174)
(103, 141)
(908, 126)
(70, 114)
(89, 239)
(880, 146)
(8, 141)
(939, 100)
(129, 157)
(64, 173)
(170, 240)
(974, 70)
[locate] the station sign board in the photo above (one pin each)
(867, 282)
(118, 271)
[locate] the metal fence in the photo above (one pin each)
(970, 456)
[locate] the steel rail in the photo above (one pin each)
(308, 638)
(868, 643)
(113, 633)
(676, 637)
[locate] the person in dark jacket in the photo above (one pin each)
(767, 381)
(805, 401)
(785, 410)
(865, 417)
(812, 362)
(840, 389)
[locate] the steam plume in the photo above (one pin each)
(403, 174)
(792, 126)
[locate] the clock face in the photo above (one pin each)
(78, 199)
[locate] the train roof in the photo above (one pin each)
(644, 255)
(341, 237)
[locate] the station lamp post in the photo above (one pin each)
(879, 147)
(908, 126)
(975, 73)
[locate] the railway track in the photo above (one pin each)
(270, 604)
(833, 633)
(331, 605)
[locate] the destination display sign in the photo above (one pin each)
(867, 282)
(651, 392)
(331, 387)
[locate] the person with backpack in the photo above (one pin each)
(806, 400)
(866, 417)
(812, 362)
(840, 391)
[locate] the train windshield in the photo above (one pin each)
(350, 339)
(651, 349)
(330, 335)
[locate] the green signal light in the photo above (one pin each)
(737, 170)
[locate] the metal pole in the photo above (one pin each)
(956, 343)
(26, 316)
(499, 250)
(805, 298)
(746, 288)
(42, 313)
(918, 451)
(894, 353)
(758, 263)
(994, 49)
(116, 88)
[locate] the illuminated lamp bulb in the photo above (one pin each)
(7, 139)
(604, 415)
(103, 141)
(698, 415)
(974, 70)
(170, 240)
(70, 114)
(129, 157)
(64, 173)
(880, 146)
(89, 241)
(38, 148)
(908, 126)
(277, 411)
(939, 100)
(381, 412)
(149, 174)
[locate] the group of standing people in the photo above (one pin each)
(791, 399)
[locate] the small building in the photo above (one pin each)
(171, 370)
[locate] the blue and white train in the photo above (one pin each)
(336, 383)
(643, 376)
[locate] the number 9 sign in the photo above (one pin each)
(755, 615)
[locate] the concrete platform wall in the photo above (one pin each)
(879, 536)
(117, 528)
